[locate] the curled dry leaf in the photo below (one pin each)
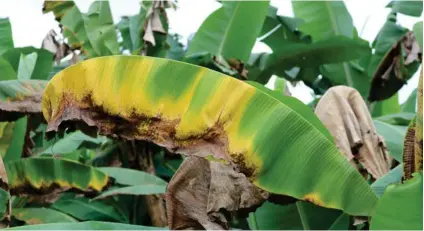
(202, 192)
(153, 21)
(345, 114)
(392, 72)
(20, 97)
(60, 50)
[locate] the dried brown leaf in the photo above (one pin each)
(346, 116)
(153, 21)
(391, 73)
(60, 50)
(200, 192)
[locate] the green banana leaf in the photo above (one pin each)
(26, 65)
(386, 107)
(6, 39)
(85, 209)
(393, 137)
(57, 7)
(12, 139)
(411, 8)
(263, 135)
(222, 32)
(402, 118)
(20, 97)
(100, 29)
(34, 216)
(43, 64)
(411, 103)
(297, 216)
(45, 174)
(6, 70)
(418, 31)
(148, 189)
(324, 19)
(71, 142)
(125, 176)
(401, 206)
(4, 203)
(392, 177)
(141, 183)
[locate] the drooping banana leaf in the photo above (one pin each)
(20, 97)
(45, 174)
(278, 143)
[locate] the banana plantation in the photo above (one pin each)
(113, 125)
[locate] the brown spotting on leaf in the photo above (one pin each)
(89, 116)
(345, 114)
(408, 152)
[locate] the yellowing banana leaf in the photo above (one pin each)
(43, 64)
(401, 206)
(20, 97)
(33, 216)
(88, 225)
(196, 111)
(46, 174)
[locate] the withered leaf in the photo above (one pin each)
(200, 192)
(393, 70)
(346, 116)
(60, 50)
(153, 21)
(20, 97)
